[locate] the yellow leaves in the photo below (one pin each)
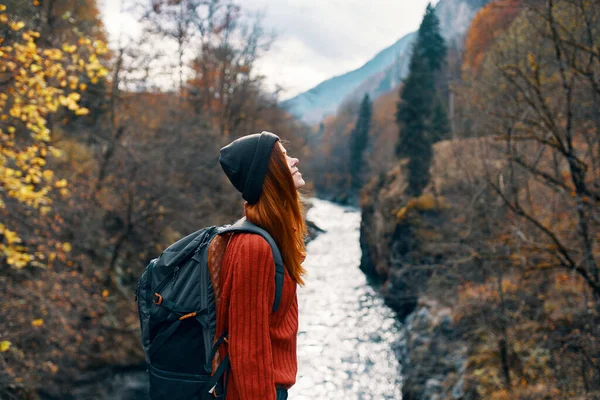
(37, 322)
(532, 61)
(4, 346)
(67, 247)
(10, 237)
(44, 210)
(70, 101)
(67, 48)
(73, 81)
(41, 80)
(401, 214)
(15, 111)
(53, 54)
(51, 366)
(55, 152)
(425, 202)
(48, 175)
(105, 293)
(83, 41)
(16, 257)
(29, 35)
(11, 66)
(2, 7)
(16, 26)
(100, 47)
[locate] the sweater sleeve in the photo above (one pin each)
(252, 294)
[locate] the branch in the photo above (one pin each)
(566, 259)
(550, 179)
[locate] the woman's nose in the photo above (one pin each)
(295, 162)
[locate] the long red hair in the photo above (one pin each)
(279, 211)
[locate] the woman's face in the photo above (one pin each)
(293, 166)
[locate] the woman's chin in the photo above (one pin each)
(299, 182)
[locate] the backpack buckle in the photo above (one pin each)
(155, 301)
(189, 315)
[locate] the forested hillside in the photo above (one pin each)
(100, 170)
(487, 241)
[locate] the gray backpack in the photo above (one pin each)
(177, 312)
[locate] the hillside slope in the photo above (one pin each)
(383, 72)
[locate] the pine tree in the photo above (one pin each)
(358, 143)
(439, 125)
(420, 116)
(430, 42)
(412, 115)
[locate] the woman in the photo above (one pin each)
(262, 344)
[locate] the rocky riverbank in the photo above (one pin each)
(433, 355)
(413, 246)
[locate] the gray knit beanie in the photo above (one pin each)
(245, 162)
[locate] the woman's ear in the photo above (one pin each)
(245, 208)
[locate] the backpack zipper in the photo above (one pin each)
(164, 282)
(137, 291)
(175, 272)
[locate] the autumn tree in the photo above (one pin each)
(536, 93)
(36, 82)
(224, 83)
(487, 25)
(181, 22)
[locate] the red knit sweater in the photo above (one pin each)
(262, 344)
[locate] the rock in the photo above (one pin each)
(313, 231)
(433, 389)
(457, 390)
(432, 355)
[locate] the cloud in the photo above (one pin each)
(316, 39)
(118, 23)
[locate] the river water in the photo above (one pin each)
(346, 333)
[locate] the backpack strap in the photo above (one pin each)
(243, 225)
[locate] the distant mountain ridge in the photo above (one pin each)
(383, 72)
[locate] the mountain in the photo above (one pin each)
(384, 71)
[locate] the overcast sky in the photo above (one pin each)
(316, 39)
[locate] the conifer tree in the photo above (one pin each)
(439, 124)
(421, 117)
(358, 143)
(430, 42)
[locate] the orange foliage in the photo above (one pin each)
(490, 22)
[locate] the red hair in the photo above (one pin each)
(280, 212)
